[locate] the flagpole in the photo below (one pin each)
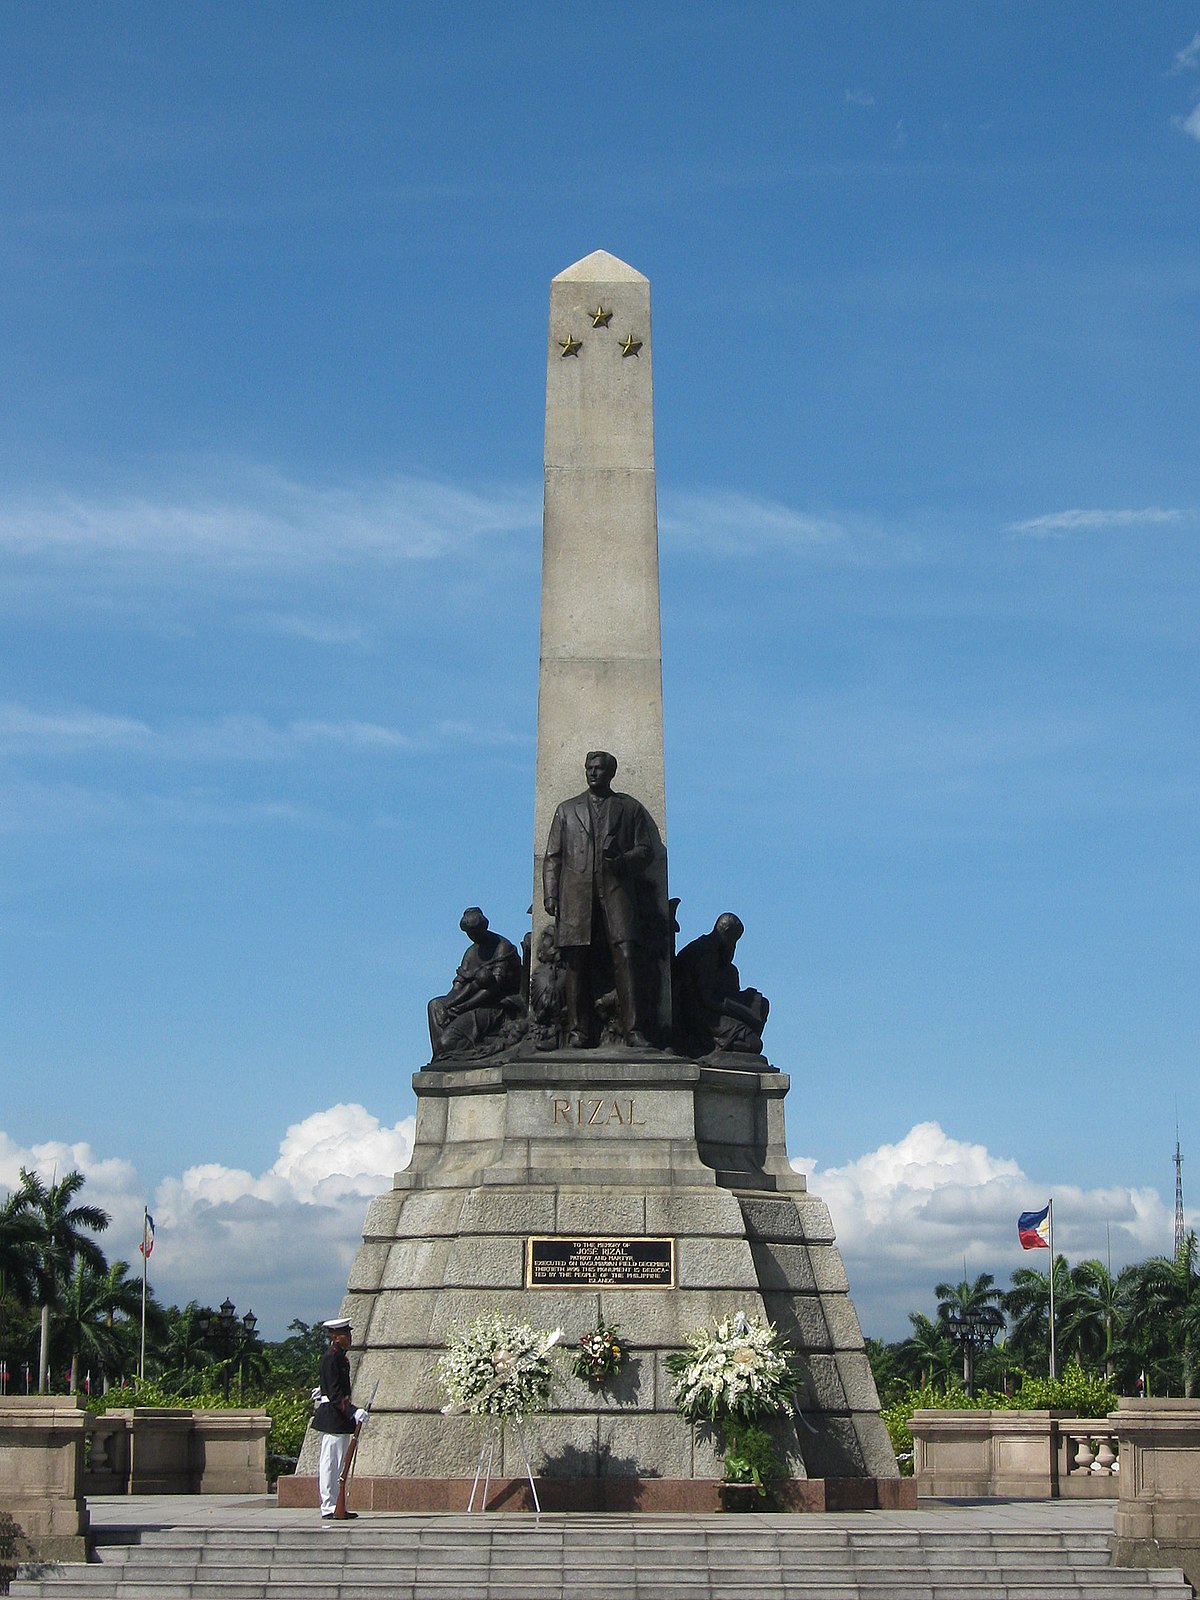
(1053, 1348)
(142, 1355)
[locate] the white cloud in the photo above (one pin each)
(280, 1242)
(313, 630)
(111, 1179)
(728, 523)
(1190, 124)
(860, 97)
(31, 807)
(1058, 524)
(25, 731)
(725, 522)
(353, 735)
(268, 519)
(23, 728)
(1188, 57)
(907, 1214)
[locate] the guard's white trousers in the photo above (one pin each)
(333, 1455)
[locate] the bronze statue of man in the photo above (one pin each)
(601, 843)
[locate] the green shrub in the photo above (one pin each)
(751, 1457)
(1086, 1394)
(291, 1412)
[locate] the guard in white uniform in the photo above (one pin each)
(336, 1416)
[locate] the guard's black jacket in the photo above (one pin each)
(335, 1414)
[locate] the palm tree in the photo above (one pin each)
(17, 1234)
(19, 1276)
(1089, 1320)
(18, 1280)
(62, 1237)
(971, 1315)
(87, 1317)
(1028, 1306)
(1165, 1299)
(928, 1350)
(184, 1352)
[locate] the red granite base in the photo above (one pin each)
(605, 1494)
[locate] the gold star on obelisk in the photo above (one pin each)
(601, 318)
(630, 346)
(571, 346)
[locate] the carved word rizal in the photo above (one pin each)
(595, 1113)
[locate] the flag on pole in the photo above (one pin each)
(147, 1243)
(1033, 1229)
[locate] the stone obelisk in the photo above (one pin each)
(600, 675)
(620, 1182)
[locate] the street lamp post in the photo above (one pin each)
(230, 1338)
(249, 1323)
(972, 1330)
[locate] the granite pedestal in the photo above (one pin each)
(591, 1146)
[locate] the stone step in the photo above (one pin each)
(1124, 1586)
(1009, 1566)
(369, 1543)
(584, 1559)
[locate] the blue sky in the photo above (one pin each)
(273, 291)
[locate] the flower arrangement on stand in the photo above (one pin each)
(599, 1355)
(498, 1367)
(731, 1376)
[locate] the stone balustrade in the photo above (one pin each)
(53, 1454)
(1088, 1458)
(155, 1450)
(1028, 1455)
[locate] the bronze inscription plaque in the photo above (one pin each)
(636, 1263)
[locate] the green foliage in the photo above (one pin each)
(291, 1412)
(295, 1360)
(890, 1381)
(148, 1393)
(1163, 1319)
(751, 1457)
(1087, 1394)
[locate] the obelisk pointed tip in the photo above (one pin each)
(600, 267)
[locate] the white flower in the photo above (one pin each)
(735, 1367)
(497, 1367)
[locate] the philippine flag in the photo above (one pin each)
(147, 1243)
(1033, 1229)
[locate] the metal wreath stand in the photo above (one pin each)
(487, 1460)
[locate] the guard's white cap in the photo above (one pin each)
(337, 1324)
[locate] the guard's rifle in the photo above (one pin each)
(340, 1513)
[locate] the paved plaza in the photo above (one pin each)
(113, 1512)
